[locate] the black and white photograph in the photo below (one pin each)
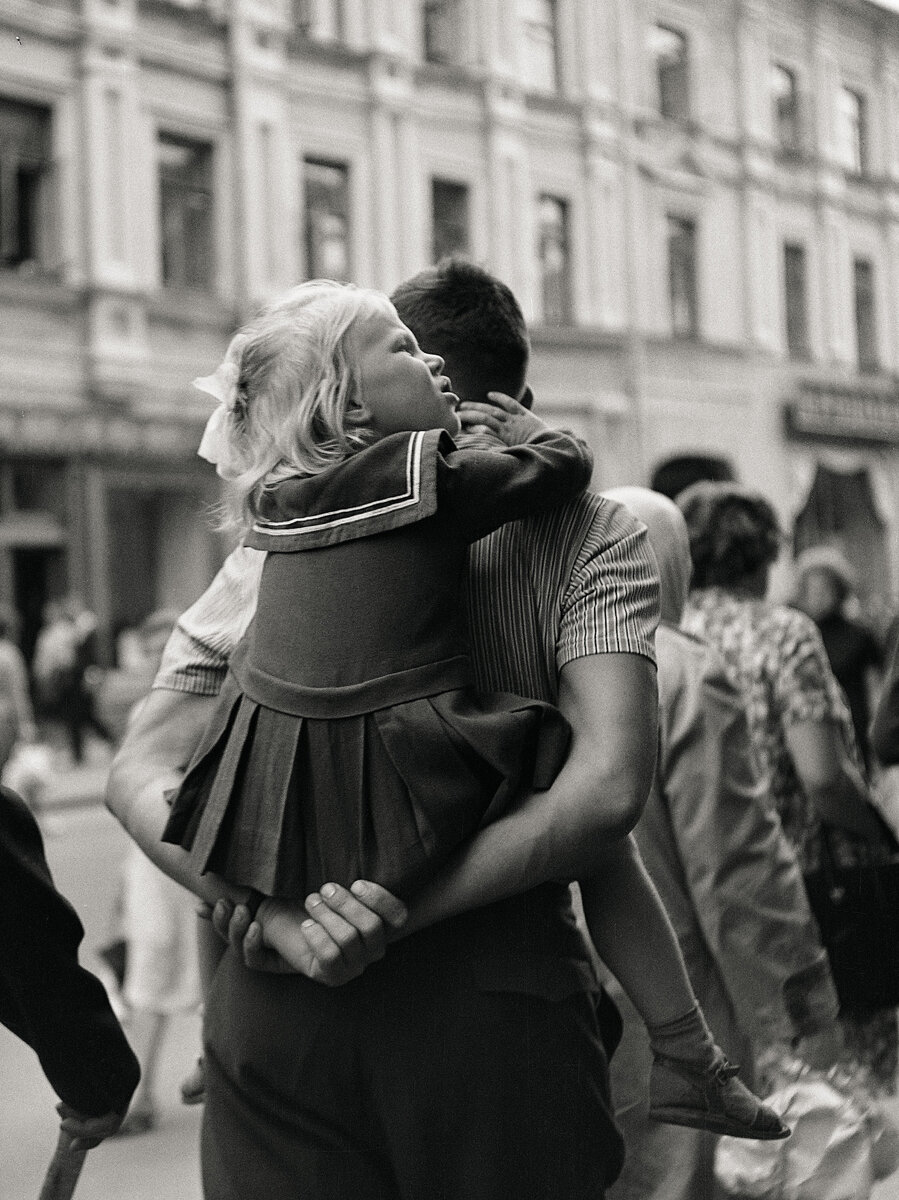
(449, 599)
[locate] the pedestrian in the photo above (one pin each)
(47, 998)
(471, 1060)
(799, 721)
(155, 944)
(64, 666)
(729, 881)
(16, 713)
(825, 585)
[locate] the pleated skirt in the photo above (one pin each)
(285, 804)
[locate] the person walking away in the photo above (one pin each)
(799, 722)
(160, 977)
(825, 585)
(16, 713)
(729, 880)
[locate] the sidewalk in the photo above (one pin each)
(70, 785)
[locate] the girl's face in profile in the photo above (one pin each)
(401, 387)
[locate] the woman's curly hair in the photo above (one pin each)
(733, 533)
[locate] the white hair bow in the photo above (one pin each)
(222, 384)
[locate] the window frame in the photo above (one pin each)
(791, 120)
(345, 167)
(686, 222)
(206, 188)
(681, 112)
(527, 25)
(26, 230)
(564, 314)
(854, 135)
(796, 333)
(867, 342)
(463, 189)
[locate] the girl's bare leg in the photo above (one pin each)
(691, 1081)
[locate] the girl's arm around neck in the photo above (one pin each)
(539, 469)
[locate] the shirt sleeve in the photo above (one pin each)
(46, 997)
(197, 654)
(483, 489)
(611, 603)
(744, 879)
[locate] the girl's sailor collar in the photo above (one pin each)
(389, 484)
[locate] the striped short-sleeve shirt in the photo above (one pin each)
(577, 580)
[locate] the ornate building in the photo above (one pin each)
(697, 202)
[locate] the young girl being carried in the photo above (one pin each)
(348, 742)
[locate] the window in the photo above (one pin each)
(25, 184)
(796, 300)
(327, 219)
(668, 51)
(682, 277)
(443, 30)
(320, 20)
(852, 125)
(449, 209)
(865, 327)
(785, 107)
(185, 203)
(541, 60)
(554, 252)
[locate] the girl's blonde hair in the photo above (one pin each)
(298, 408)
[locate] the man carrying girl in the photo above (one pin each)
(561, 609)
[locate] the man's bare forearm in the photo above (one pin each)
(596, 799)
(151, 761)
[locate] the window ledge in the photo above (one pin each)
(43, 289)
(185, 306)
(572, 335)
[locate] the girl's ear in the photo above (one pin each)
(526, 399)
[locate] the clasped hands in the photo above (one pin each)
(331, 938)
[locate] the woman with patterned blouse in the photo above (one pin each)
(798, 717)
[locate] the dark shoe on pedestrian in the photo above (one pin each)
(193, 1088)
(712, 1098)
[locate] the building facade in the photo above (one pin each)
(697, 202)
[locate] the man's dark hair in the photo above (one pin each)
(471, 319)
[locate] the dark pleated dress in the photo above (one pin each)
(348, 742)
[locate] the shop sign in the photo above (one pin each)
(832, 413)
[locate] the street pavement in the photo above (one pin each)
(85, 847)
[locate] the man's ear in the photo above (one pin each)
(526, 399)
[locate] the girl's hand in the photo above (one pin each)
(510, 421)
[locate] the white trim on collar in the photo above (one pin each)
(297, 526)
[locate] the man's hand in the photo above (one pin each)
(87, 1132)
(331, 940)
(510, 421)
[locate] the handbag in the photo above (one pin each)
(828, 1157)
(857, 910)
